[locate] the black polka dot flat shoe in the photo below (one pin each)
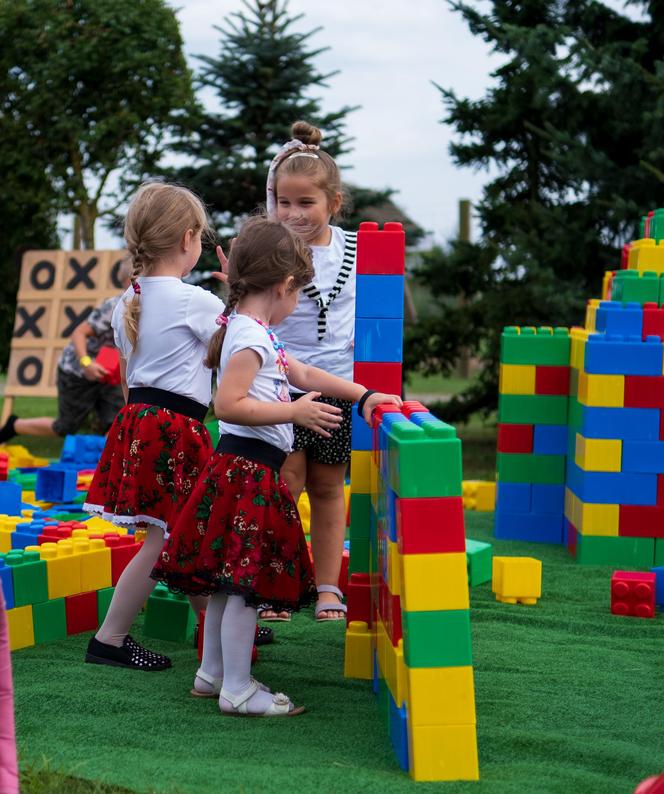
(130, 654)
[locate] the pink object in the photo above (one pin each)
(8, 765)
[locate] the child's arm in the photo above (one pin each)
(308, 378)
(232, 403)
(123, 377)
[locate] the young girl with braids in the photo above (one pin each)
(158, 444)
(239, 536)
(304, 191)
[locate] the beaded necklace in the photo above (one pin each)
(282, 361)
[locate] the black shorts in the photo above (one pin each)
(77, 397)
(335, 449)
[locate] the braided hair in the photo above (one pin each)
(265, 253)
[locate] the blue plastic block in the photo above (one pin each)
(616, 488)
(398, 729)
(623, 319)
(379, 296)
(10, 498)
(26, 534)
(548, 499)
(83, 451)
(643, 456)
(513, 497)
(659, 585)
(55, 484)
(550, 439)
(376, 674)
(420, 417)
(623, 355)
(379, 340)
(360, 434)
(391, 514)
(629, 424)
(7, 584)
(544, 528)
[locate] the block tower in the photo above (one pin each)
(532, 433)
(409, 626)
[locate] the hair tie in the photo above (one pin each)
(282, 154)
(222, 320)
(136, 287)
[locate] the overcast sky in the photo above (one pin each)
(387, 53)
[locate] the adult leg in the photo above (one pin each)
(294, 472)
(325, 486)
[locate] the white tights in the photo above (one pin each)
(132, 591)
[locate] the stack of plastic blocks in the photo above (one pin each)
(532, 433)
(416, 611)
(614, 503)
(61, 586)
(381, 257)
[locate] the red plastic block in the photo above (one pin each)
(633, 594)
(379, 376)
(109, 359)
(430, 526)
(571, 538)
(393, 624)
(381, 252)
(644, 521)
(515, 438)
(359, 598)
(552, 380)
(123, 549)
(413, 407)
(644, 391)
(81, 612)
(653, 320)
(343, 573)
(4, 465)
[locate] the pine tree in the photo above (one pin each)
(570, 129)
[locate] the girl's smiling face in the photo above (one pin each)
(304, 208)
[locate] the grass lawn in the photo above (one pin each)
(568, 698)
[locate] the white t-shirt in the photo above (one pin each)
(299, 331)
(176, 323)
(270, 384)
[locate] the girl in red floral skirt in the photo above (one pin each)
(157, 445)
(239, 536)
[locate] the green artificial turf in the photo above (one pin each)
(569, 698)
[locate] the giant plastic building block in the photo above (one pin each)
(169, 616)
(109, 358)
(633, 594)
(517, 579)
(357, 655)
(55, 484)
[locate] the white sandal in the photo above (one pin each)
(280, 706)
(216, 684)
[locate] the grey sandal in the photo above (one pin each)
(340, 607)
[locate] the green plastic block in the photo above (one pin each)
(544, 346)
(437, 639)
(358, 561)
(661, 290)
(532, 409)
(104, 597)
(575, 414)
(169, 616)
(28, 577)
(49, 620)
(544, 469)
(617, 552)
(659, 551)
(634, 286)
(479, 556)
(657, 225)
(213, 430)
(424, 461)
(27, 480)
(360, 515)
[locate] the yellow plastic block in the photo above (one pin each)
(645, 254)
(21, 628)
(358, 656)
(19, 457)
(434, 582)
(382, 641)
(578, 339)
(360, 471)
(517, 379)
(63, 569)
(517, 579)
(394, 568)
(592, 519)
(443, 752)
(606, 391)
(99, 526)
(95, 560)
(374, 477)
(606, 284)
(479, 495)
(441, 695)
(591, 314)
(598, 454)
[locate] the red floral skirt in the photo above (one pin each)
(149, 466)
(239, 533)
